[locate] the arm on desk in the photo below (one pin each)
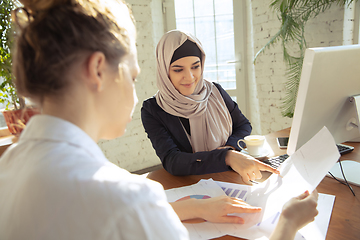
(296, 213)
(213, 209)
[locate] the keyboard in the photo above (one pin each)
(343, 149)
(275, 162)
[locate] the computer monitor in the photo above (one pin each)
(330, 79)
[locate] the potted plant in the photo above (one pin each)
(293, 15)
(16, 113)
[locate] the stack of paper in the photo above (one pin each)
(304, 170)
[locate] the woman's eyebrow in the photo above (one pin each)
(183, 66)
(176, 66)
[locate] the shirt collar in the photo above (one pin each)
(46, 127)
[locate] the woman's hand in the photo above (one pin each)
(297, 212)
(301, 210)
(248, 167)
(213, 209)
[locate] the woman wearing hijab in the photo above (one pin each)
(193, 124)
(78, 61)
(55, 181)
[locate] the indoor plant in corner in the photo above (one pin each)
(16, 113)
(293, 15)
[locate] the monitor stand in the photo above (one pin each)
(351, 170)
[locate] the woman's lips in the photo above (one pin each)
(188, 85)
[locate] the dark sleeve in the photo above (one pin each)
(241, 125)
(170, 142)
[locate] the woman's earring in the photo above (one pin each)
(98, 88)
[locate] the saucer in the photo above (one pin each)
(263, 153)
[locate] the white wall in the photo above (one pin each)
(325, 30)
(133, 151)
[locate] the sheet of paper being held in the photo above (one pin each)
(302, 171)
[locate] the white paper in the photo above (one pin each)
(206, 188)
(317, 230)
(304, 170)
(205, 230)
(314, 231)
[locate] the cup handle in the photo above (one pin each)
(238, 143)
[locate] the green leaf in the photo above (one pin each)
(293, 16)
(9, 94)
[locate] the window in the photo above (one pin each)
(212, 22)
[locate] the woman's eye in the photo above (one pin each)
(196, 67)
(177, 70)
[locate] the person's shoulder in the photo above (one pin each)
(150, 103)
(150, 100)
(222, 91)
(150, 106)
(121, 187)
(218, 86)
(137, 186)
(114, 184)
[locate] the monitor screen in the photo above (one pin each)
(330, 76)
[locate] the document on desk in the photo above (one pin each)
(303, 171)
(200, 190)
(314, 231)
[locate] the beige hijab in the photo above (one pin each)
(210, 120)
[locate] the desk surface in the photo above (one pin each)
(5, 142)
(345, 218)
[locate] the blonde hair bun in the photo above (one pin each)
(53, 35)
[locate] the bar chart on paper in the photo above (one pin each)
(235, 193)
(314, 231)
(234, 190)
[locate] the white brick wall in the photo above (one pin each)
(133, 151)
(325, 30)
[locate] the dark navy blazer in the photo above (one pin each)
(172, 146)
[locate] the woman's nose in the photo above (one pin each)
(188, 75)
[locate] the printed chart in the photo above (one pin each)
(203, 189)
(253, 228)
(313, 231)
(197, 196)
(231, 192)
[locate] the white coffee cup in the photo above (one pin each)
(254, 144)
